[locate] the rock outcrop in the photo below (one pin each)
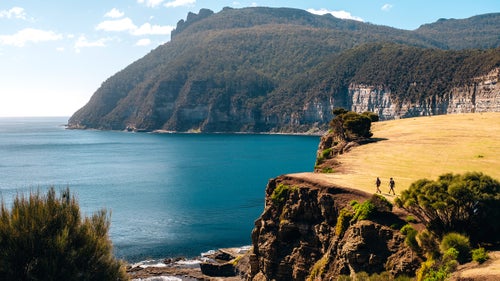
(481, 95)
(296, 237)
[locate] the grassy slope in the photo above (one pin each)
(423, 147)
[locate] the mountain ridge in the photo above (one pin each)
(221, 72)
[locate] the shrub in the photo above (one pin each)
(410, 237)
(460, 243)
(45, 238)
(362, 211)
(318, 268)
(480, 255)
(281, 193)
(373, 116)
(457, 203)
(345, 216)
(428, 244)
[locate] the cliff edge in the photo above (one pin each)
(302, 235)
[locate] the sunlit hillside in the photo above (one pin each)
(423, 147)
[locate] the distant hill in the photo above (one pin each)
(281, 69)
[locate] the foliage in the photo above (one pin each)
(343, 221)
(44, 237)
(372, 115)
(318, 268)
(460, 243)
(362, 211)
(457, 203)
(428, 243)
(350, 125)
(280, 193)
(479, 255)
(410, 237)
(432, 270)
(411, 219)
(259, 66)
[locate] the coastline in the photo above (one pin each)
(184, 269)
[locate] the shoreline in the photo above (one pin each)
(186, 269)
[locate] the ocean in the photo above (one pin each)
(169, 195)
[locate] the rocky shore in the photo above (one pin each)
(228, 264)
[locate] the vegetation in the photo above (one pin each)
(44, 237)
(258, 67)
(457, 203)
(350, 125)
(280, 193)
(410, 237)
(479, 255)
(343, 221)
(458, 242)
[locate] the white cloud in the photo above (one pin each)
(179, 3)
(124, 24)
(114, 14)
(143, 42)
(150, 3)
(29, 35)
(82, 42)
(386, 7)
(148, 29)
(15, 12)
(337, 14)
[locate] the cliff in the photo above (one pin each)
(297, 236)
(283, 70)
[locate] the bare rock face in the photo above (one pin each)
(295, 237)
(481, 95)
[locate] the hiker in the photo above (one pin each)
(377, 183)
(391, 185)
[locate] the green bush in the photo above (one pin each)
(479, 255)
(428, 244)
(410, 237)
(457, 203)
(44, 237)
(373, 116)
(363, 211)
(281, 193)
(343, 221)
(460, 243)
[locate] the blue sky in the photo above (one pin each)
(55, 54)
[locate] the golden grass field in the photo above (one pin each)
(422, 147)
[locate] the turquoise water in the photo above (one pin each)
(169, 194)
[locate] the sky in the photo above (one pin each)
(55, 54)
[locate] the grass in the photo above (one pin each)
(422, 147)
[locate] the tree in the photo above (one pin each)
(457, 203)
(351, 125)
(45, 238)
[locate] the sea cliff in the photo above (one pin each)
(298, 238)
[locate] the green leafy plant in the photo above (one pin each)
(479, 255)
(410, 237)
(44, 237)
(362, 211)
(281, 193)
(456, 203)
(460, 243)
(343, 221)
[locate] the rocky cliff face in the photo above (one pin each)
(481, 95)
(295, 238)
